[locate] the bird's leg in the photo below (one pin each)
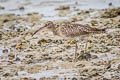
(75, 54)
(86, 47)
(86, 55)
(85, 51)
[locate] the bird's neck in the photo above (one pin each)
(54, 31)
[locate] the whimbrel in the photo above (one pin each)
(71, 31)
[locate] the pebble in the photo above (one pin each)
(5, 51)
(63, 8)
(11, 56)
(0, 36)
(1, 7)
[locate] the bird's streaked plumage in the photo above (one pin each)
(71, 31)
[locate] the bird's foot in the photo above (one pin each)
(84, 55)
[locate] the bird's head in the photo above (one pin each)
(49, 25)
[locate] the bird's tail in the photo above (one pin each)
(105, 30)
(99, 30)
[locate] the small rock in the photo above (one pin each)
(45, 55)
(24, 78)
(109, 36)
(105, 79)
(74, 78)
(119, 67)
(57, 41)
(5, 51)
(5, 20)
(81, 65)
(11, 56)
(33, 13)
(18, 46)
(110, 13)
(49, 40)
(21, 8)
(10, 62)
(0, 36)
(1, 7)
(16, 73)
(29, 56)
(43, 78)
(87, 11)
(94, 56)
(6, 74)
(68, 47)
(1, 67)
(94, 22)
(110, 4)
(108, 66)
(42, 42)
(17, 59)
(63, 8)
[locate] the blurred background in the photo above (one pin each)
(48, 6)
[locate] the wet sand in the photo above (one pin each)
(48, 57)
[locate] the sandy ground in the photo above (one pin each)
(48, 57)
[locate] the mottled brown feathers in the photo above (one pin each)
(72, 30)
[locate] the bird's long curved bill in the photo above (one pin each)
(37, 30)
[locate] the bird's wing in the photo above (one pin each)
(73, 30)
